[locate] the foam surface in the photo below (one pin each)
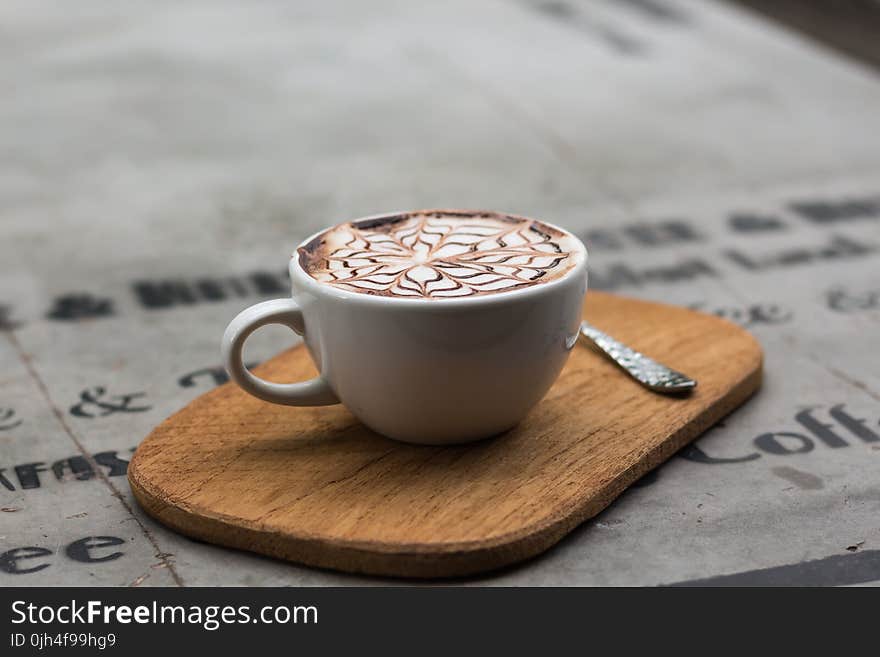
(440, 254)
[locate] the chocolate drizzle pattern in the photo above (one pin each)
(436, 255)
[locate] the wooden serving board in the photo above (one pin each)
(313, 485)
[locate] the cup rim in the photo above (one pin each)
(298, 274)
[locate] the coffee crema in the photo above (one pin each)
(439, 254)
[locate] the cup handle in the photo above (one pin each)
(314, 392)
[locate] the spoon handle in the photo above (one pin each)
(648, 372)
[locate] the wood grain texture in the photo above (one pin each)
(314, 486)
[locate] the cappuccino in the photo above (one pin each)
(440, 254)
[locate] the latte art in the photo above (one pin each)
(439, 254)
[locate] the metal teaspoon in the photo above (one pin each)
(651, 374)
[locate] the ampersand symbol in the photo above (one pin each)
(91, 399)
(6, 414)
(771, 314)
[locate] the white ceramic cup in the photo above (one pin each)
(429, 371)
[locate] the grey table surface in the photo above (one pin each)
(159, 161)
